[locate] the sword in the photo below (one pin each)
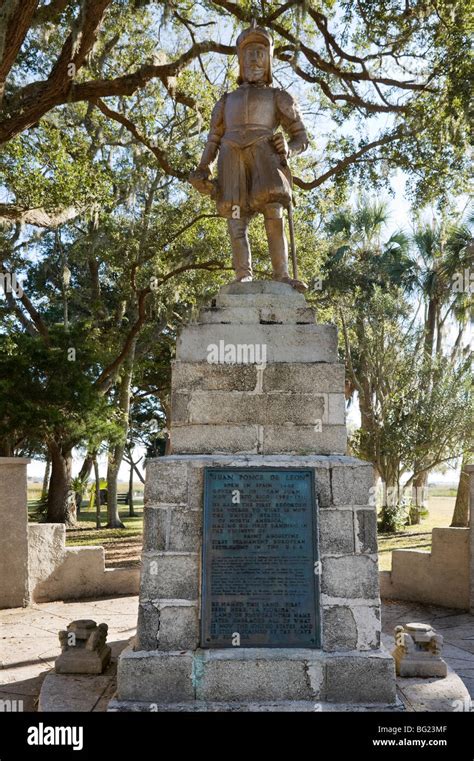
(291, 224)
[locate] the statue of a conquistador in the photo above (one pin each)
(252, 169)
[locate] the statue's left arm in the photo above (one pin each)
(290, 119)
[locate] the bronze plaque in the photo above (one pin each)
(260, 585)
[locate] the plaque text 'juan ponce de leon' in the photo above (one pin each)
(260, 571)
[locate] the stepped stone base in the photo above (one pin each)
(256, 383)
(255, 375)
(281, 706)
(255, 675)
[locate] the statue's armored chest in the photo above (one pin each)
(251, 106)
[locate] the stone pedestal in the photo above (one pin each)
(83, 648)
(14, 591)
(418, 650)
(282, 409)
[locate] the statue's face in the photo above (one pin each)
(255, 62)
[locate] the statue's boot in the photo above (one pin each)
(241, 258)
(278, 248)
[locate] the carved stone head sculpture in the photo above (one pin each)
(255, 52)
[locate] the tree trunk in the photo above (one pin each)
(6, 447)
(131, 511)
(461, 508)
(97, 492)
(419, 488)
(61, 506)
(430, 327)
(46, 477)
(113, 466)
(84, 473)
(116, 453)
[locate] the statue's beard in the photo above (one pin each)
(255, 76)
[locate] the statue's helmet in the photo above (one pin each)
(254, 34)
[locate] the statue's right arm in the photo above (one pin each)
(214, 137)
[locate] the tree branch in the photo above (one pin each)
(39, 217)
(347, 161)
(32, 311)
(106, 377)
(15, 20)
(49, 12)
(159, 153)
(35, 99)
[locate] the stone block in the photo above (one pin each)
(207, 439)
(185, 530)
(361, 679)
(155, 676)
(336, 409)
(339, 628)
(166, 481)
(336, 532)
(167, 625)
(350, 576)
(267, 287)
(352, 485)
(258, 674)
(202, 376)
(155, 527)
(259, 293)
(286, 315)
(365, 523)
(179, 627)
(367, 618)
(228, 315)
(322, 486)
(168, 527)
(195, 485)
(283, 343)
(171, 575)
(304, 439)
(179, 407)
(218, 407)
(314, 377)
(148, 625)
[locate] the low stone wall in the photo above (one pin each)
(13, 533)
(57, 572)
(439, 577)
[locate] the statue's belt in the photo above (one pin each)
(247, 143)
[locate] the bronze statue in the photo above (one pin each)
(252, 170)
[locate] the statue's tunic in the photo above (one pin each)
(250, 171)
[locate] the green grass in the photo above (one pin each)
(86, 533)
(442, 491)
(417, 537)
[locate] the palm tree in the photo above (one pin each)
(443, 251)
(362, 264)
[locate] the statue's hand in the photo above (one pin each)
(200, 179)
(281, 146)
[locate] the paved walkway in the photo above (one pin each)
(29, 643)
(29, 646)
